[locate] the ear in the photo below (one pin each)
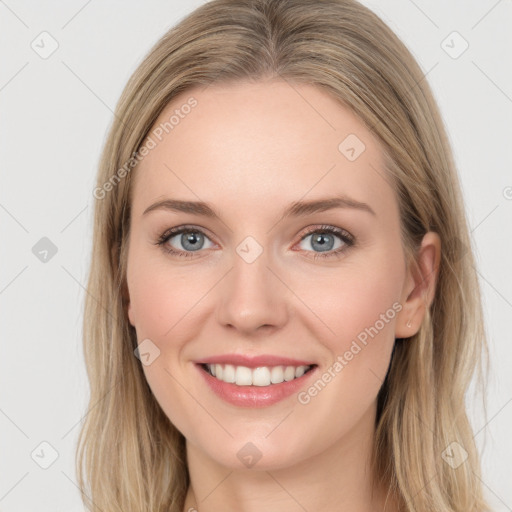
(125, 295)
(420, 285)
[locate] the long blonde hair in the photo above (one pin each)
(130, 458)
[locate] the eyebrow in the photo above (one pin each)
(296, 209)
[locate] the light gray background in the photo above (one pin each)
(54, 115)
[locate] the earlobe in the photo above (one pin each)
(419, 291)
(131, 316)
(128, 305)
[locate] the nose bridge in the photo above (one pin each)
(251, 295)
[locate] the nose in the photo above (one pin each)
(252, 298)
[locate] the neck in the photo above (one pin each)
(339, 478)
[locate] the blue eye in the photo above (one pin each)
(191, 239)
(322, 238)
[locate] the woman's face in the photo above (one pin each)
(258, 274)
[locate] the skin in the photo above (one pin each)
(250, 150)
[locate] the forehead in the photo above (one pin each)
(254, 144)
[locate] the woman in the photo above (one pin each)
(283, 311)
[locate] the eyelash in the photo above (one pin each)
(344, 235)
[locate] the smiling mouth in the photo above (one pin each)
(261, 376)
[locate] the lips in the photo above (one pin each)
(273, 385)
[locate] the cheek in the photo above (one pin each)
(355, 310)
(174, 393)
(168, 312)
(161, 296)
(369, 306)
(360, 308)
(345, 302)
(165, 303)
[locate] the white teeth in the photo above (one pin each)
(289, 373)
(261, 376)
(299, 372)
(243, 376)
(277, 375)
(229, 373)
